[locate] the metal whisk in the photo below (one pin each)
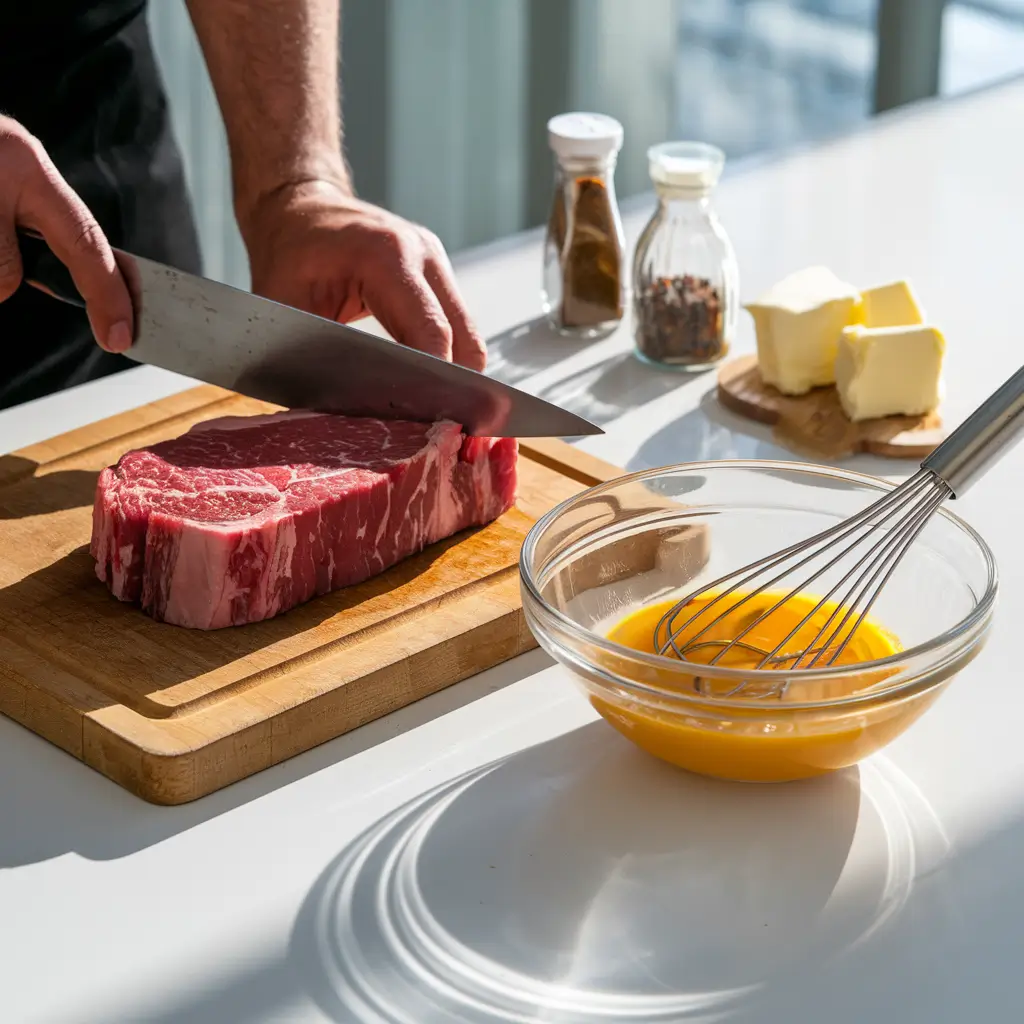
(863, 550)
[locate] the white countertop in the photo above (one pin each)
(892, 892)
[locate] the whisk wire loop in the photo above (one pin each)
(813, 547)
(752, 571)
(899, 547)
(893, 509)
(871, 557)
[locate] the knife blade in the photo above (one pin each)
(272, 352)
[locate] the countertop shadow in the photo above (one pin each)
(707, 432)
(528, 348)
(607, 390)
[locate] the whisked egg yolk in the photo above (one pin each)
(760, 630)
(770, 739)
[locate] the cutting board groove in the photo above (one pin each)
(172, 714)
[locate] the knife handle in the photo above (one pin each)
(42, 268)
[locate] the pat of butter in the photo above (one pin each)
(798, 324)
(889, 371)
(891, 305)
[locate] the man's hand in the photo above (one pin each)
(34, 195)
(311, 244)
(316, 247)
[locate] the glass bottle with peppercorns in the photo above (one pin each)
(685, 278)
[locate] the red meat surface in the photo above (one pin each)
(243, 518)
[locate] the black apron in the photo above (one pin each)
(82, 77)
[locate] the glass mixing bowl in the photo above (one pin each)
(659, 534)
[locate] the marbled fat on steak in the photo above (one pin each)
(245, 517)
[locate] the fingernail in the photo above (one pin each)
(119, 338)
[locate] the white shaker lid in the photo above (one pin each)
(685, 168)
(581, 134)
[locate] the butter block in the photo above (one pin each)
(889, 371)
(798, 324)
(891, 305)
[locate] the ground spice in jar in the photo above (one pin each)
(680, 320)
(586, 236)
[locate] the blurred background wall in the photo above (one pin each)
(445, 101)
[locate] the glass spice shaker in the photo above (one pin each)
(584, 288)
(685, 277)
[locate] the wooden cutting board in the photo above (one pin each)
(815, 423)
(172, 714)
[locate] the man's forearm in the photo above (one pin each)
(274, 66)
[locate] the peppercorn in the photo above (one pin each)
(679, 320)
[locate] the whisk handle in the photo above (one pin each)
(986, 435)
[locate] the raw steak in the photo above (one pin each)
(245, 517)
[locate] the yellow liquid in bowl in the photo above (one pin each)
(770, 742)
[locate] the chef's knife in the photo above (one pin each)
(222, 335)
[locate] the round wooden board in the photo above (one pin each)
(816, 423)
